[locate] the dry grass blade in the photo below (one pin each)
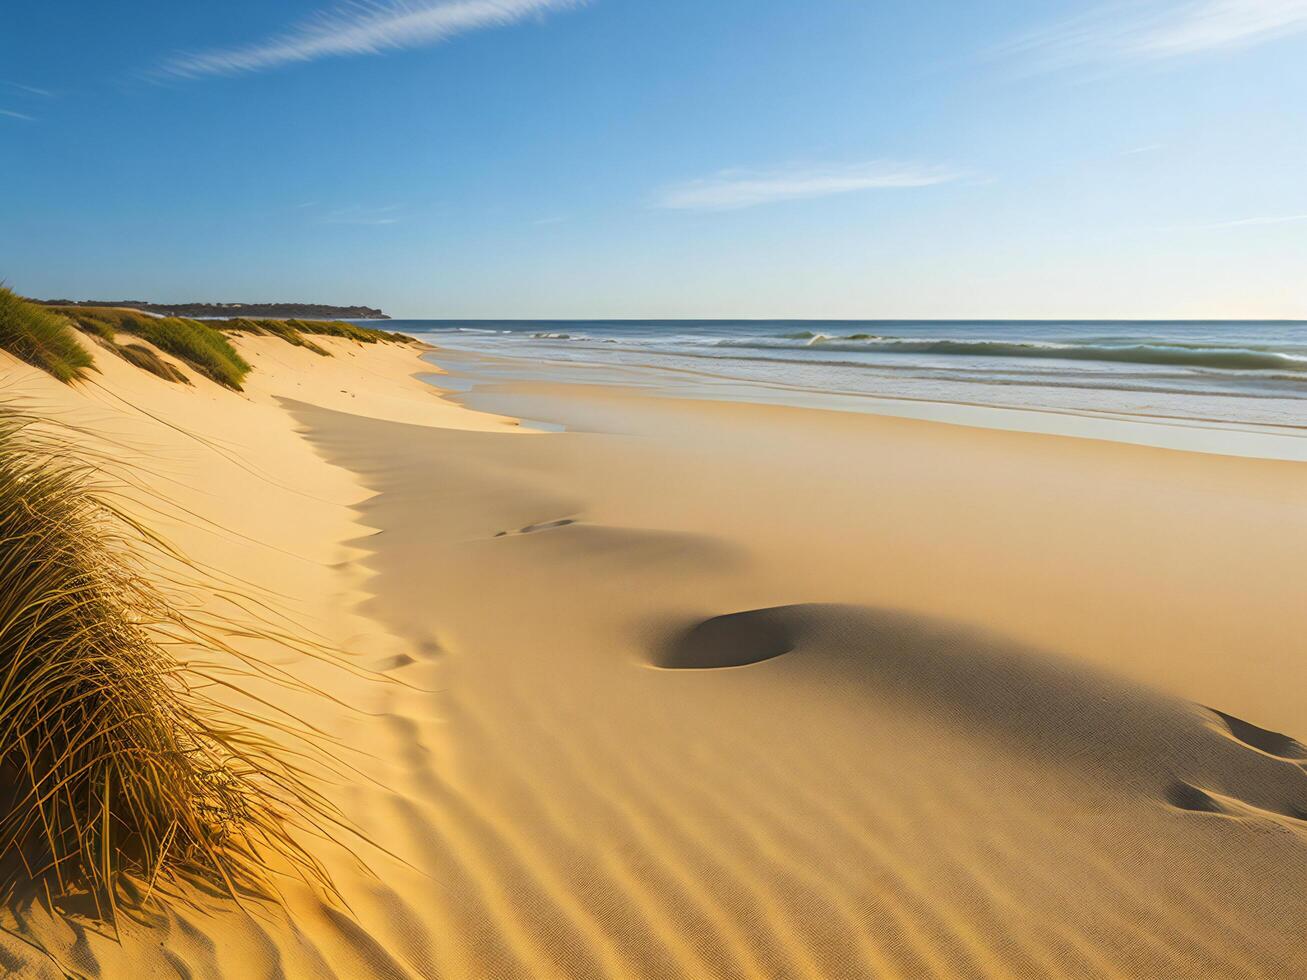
(148, 360)
(121, 768)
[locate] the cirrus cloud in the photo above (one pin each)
(1257, 222)
(1160, 31)
(362, 28)
(733, 189)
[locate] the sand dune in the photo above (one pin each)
(735, 691)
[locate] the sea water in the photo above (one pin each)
(1244, 375)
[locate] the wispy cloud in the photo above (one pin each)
(15, 115)
(731, 189)
(1278, 219)
(30, 89)
(1214, 24)
(357, 214)
(1156, 31)
(363, 27)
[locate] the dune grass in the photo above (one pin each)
(44, 336)
(298, 332)
(147, 360)
(41, 338)
(123, 778)
(199, 345)
(277, 328)
(195, 343)
(350, 331)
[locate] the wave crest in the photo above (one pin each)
(1173, 355)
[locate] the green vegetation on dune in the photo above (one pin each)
(276, 328)
(195, 343)
(41, 338)
(297, 331)
(44, 336)
(125, 779)
(147, 360)
(200, 346)
(350, 331)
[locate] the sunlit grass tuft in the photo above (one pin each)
(203, 344)
(297, 332)
(350, 331)
(41, 337)
(277, 328)
(147, 360)
(123, 777)
(195, 343)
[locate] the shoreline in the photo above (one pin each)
(1220, 375)
(1249, 440)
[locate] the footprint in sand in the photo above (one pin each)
(532, 528)
(394, 662)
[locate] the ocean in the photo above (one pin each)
(1249, 375)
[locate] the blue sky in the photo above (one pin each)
(823, 158)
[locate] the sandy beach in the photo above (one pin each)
(598, 490)
(712, 689)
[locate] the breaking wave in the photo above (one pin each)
(1167, 354)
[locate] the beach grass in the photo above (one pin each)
(41, 337)
(146, 359)
(123, 778)
(197, 344)
(46, 337)
(203, 344)
(298, 332)
(275, 328)
(349, 331)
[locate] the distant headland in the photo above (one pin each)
(262, 310)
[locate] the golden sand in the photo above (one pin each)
(727, 690)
